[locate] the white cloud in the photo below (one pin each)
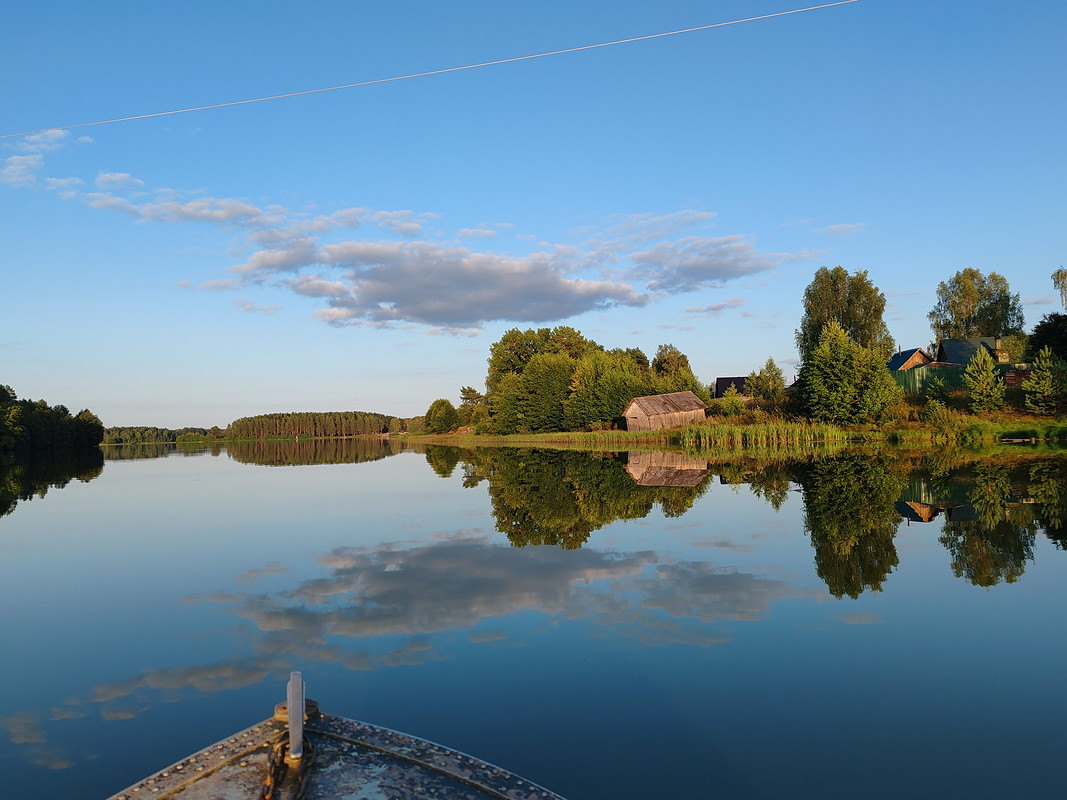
(43, 142)
(476, 233)
(402, 223)
(345, 218)
(1040, 301)
(207, 209)
(654, 226)
(118, 180)
(218, 286)
(252, 308)
(403, 280)
(65, 186)
(798, 256)
(716, 309)
(842, 229)
(21, 170)
(224, 211)
(294, 255)
(470, 333)
(313, 286)
(455, 288)
(696, 262)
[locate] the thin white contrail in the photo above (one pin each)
(431, 72)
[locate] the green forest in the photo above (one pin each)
(33, 426)
(288, 425)
(555, 379)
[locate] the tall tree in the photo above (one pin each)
(515, 348)
(601, 387)
(1050, 332)
(842, 381)
(469, 396)
(669, 361)
(768, 384)
(547, 379)
(671, 373)
(441, 417)
(853, 302)
(970, 304)
(1059, 277)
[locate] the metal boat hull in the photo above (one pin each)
(349, 760)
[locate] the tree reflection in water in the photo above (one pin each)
(291, 452)
(850, 515)
(997, 543)
(27, 477)
(1048, 487)
(554, 497)
(559, 497)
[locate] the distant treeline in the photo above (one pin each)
(34, 426)
(304, 424)
(147, 434)
(316, 424)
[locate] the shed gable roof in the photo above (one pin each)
(900, 359)
(653, 405)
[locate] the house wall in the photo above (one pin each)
(915, 381)
(917, 360)
(658, 421)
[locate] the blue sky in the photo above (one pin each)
(361, 249)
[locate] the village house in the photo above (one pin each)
(961, 351)
(909, 359)
(722, 384)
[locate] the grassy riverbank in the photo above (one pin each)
(778, 438)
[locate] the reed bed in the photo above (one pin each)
(609, 441)
(767, 436)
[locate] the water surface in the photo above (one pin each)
(740, 632)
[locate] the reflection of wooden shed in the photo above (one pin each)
(665, 469)
(663, 411)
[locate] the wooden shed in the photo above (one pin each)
(663, 411)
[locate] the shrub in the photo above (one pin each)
(939, 416)
(936, 389)
(844, 382)
(731, 404)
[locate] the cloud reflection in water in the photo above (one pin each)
(399, 599)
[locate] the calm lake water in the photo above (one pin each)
(792, 632)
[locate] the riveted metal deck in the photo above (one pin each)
(350, 760)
